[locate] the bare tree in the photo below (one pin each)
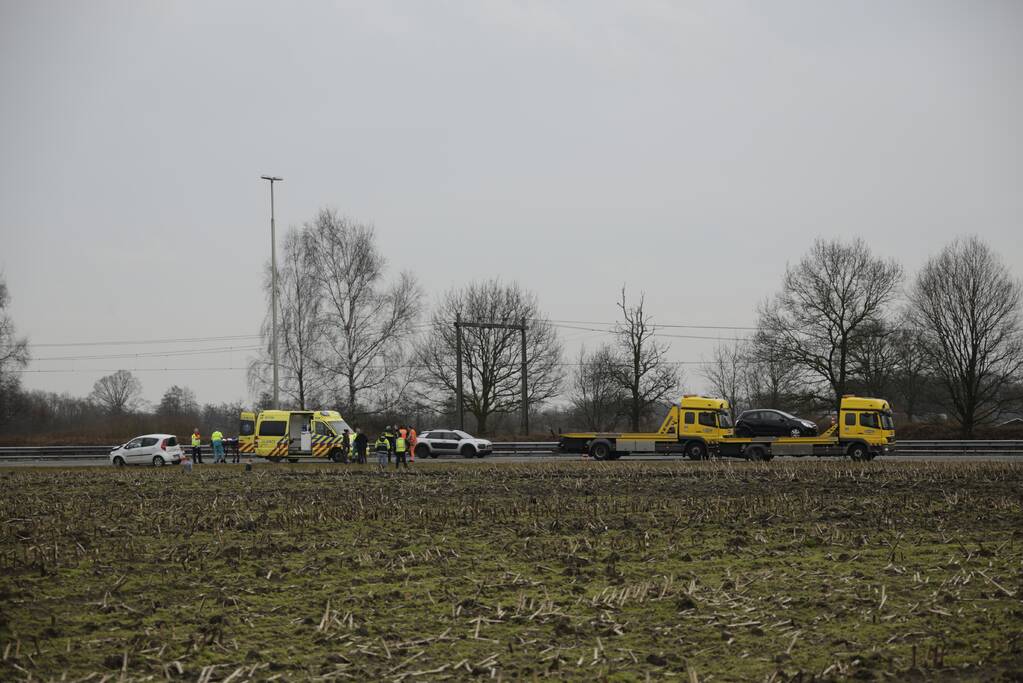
(967, 306)
(491, 358)
(596, 396)
(13, 356)
(913, 383)
(727, 372)
(643, 370)
(829, 298)
(300, 330)
(117, 393)
(366, 324)
(772, 381)
(874, 359)
(178, 401)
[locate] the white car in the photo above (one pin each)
(451, 442)
(155, 449)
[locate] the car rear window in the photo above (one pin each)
(173, 441)
(273, 428)
(148, 441)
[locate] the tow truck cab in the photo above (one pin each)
(868, 420)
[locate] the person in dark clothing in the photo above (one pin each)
(360, 443)
(346, 446)
(391, 437)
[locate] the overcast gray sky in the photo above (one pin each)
(687, 149)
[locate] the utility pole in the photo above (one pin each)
(273, 287)
(458, 381)
(525, 393)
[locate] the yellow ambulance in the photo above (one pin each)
(293, 434)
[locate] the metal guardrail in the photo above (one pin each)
(960, 447)
(541, 448)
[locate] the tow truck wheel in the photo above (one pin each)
(157, 461)
(756, 453)
(600, 450)
(858, 452)
(696, 450)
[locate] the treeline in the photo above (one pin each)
(943, 345)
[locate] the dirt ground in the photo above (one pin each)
(578, 570)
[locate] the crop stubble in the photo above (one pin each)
(710, 571)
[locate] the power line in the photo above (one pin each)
(152, 354)
(181, 340)
(84, 370)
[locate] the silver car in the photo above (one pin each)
(438, 442)
(150, 449)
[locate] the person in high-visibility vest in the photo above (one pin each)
(217, 441)
(383, 451)
(390, 436)
(400, 450)
(196, 446)
(413, 439)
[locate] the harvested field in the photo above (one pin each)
(709, 571)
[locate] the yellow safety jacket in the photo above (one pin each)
(196, 440)
(399, 445)
(216, 436)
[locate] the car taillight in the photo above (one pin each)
(163, 444)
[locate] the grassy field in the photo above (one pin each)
(620, 571)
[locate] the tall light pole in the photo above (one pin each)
(273, 285)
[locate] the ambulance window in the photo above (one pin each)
(707, 419)
(869, 420)
(246, 428)
(322, 429)
(850, 419)
(273, 428)
(689, 418)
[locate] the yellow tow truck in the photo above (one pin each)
(699, 427)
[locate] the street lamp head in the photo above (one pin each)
(271, 178)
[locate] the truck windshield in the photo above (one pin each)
(886, 421)
(339, 426)
(724, 419)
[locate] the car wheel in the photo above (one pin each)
(118, 461)
(157, 461)
(600, 450)
(696, 450)
(858, 452)
(423, 451)
(468, 451)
